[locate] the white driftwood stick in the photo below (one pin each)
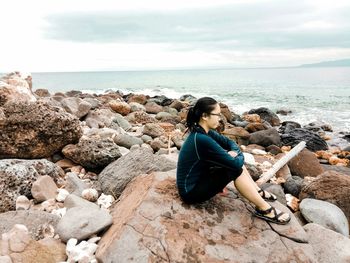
(169, 138)
(281, 162)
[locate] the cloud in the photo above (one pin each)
(271, 24)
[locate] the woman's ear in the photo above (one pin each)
(205, 116)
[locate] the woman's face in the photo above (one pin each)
(213, 118)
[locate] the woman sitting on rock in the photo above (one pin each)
(209, 161)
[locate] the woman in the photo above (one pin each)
(209, 161)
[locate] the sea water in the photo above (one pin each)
(312, 94)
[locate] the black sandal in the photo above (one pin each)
(271, 198)
(275, 219)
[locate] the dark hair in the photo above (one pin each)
(203, 105)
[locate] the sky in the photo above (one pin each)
(90, 35)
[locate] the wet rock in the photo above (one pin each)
(18, 176)
(93, 152)
(305, 164)
(288, 126)
(332, 187)
(76, 106)
(325, 214)
(82, 223)
(266, 115)
(313, 141)
(35, 221)
(44, 188)
(36, 130)
(328, 245)
(153, 130)
(161, 100)
(115, 177)
(265, 138)
(221, 229)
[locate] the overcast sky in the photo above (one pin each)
(88, 35)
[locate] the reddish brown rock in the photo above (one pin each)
(332, 187)
(238, 134)
(255, 126)
(305, 164)
(152, 107)
(36, 130)
(168, 127)
(139, 98)
(253, 118)
(140, 117)
(120, 107)
(226, 112)
(178, 105)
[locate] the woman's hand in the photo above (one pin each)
(232, 153)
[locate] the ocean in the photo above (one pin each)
(312, 94)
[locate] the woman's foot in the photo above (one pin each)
(273, 215)
(267, 195)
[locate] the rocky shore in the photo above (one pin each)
(91, 178)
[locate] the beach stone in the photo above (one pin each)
(44, 188)
(36, 130)
(168, 127)
(152, 107)
(156, 226)
(305, 164)
(100, 118)
(160, 142)
(293, 185)
(313, 141)
(324, 214)
(123, 123)
(266, 115)
(76, 106)
(328, 246)
(146, 138)
(265, 138)
(238, 134)
(92, 152)
(95, 103)
(5, 259)
(178, 105)
(42, 93)
(115, 177)
(120, 107)
(336, 168)
(332, 187)
(15, 87)
(17, 177)
(138, 98)
(73, 200)
(127, 140)
(153, 130)
(140, 117)
(161, 100)
(22, 203)
(251, 118)
(35, 221)
(273, 149)
(74, 184)
(288, 126)
(134, 106)
(255, 126)
(188, 98)
(163, 115)
(82, 222)
(56, 248)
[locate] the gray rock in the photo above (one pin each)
(328, 245)
(146, 138)
(93, 152)
(83, 222)
(277, 190)
(115, 177)
(127, 141)
(136, 107)
(74, 184)
(313, 141)
(153, 130)
(76, 106)
(293, 185)
(265, 138)
(325, 214)
(95, 103)
(123, 123)
(162, 115)
(17, 177)
(100, 118)
(36, 221)
(76, 201)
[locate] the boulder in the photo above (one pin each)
(332, 187)
(100, 118)
(82, 222)
(324, 214)
(44, 188)
(305, 164)
(120, 107)
(93, 152)
(16, 87)
(140, 117)
(329, 246)
(36, 130)
(313, 141)
(126, 140)
(153, 130)
(288, 126)
(161, 100)
(134, 106)
(76, 106)
(115, 177)
(265, 138)
(238, 134)
(152, 107)
(255, 126)
(151, 224)
(293, 185)
(138, 98)
(188, 98)
(18, 176)
(266, 115)
(37, 222)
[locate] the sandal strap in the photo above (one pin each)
(277, 216)
(267, 211)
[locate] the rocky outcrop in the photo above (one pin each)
(305, 164)
(332, 187)
(18, 176)
(151, 224)
(313, 141)
(36, 130)
(93, 152)
(115, 177)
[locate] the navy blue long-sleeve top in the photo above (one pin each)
(201, 151)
